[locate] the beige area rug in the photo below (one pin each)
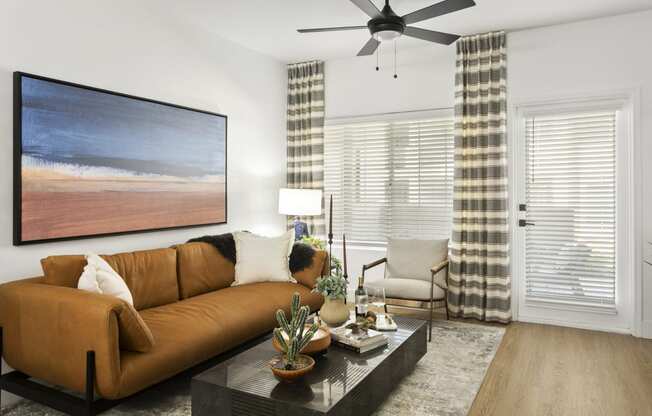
(444, 382)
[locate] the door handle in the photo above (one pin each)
(523, 223)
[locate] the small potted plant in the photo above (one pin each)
(292, 336)
(334, 312)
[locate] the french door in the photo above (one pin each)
(571, 218)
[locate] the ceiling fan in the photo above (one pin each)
(385, 25)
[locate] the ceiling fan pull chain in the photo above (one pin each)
(378, 58)
(395, 76)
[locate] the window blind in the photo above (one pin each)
(571, 199)
(390, 176)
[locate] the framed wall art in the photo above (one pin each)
(90, 162)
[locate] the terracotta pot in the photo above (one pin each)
(318, 344)
(305, 365)
(334, 312)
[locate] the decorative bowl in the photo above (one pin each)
(304, 362)
(317, 345)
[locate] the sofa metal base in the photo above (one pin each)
(21, 384)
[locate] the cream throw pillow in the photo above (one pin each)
(262, 259)
(99, 277)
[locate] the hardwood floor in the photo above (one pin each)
(557, 371)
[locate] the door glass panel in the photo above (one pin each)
(570, 190)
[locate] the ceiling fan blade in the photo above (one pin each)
(369, 48)
(431, 35)
(368, 7)
(439, 9)
(330, 29)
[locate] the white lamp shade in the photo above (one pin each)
(299, 201)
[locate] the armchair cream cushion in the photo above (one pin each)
(412, 289)
(413, 259)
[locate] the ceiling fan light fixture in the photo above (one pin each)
(386, 35)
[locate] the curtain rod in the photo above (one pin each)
(392, 113)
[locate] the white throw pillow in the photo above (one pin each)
(99, 277)
(262, 259)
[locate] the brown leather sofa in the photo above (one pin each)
(183, 295)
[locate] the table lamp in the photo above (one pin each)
(299, 202)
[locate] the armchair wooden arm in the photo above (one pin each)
(366, 267)
(436, 269)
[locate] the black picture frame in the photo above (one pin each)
(17, 161)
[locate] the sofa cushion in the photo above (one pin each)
(308, 276)
(151, 275)
(63, 270)
(196, 329)
(202, 268)
(134, 334)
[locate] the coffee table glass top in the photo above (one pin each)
(334, 375)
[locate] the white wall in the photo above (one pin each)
(125, 46)
(425, 80)
(133, 51)
(580, 58)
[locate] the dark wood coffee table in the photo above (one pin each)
(342, 382)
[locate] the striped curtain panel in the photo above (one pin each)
(479, 269)
(305, 136)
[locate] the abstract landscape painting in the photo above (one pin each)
(93, 162)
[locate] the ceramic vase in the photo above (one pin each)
(334, 312)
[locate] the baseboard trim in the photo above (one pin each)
(581, 325)
(646, 329)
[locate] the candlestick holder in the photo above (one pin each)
(345, 273)
(330, 234)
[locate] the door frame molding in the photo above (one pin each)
(630, 156)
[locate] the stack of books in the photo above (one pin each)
(361, 342)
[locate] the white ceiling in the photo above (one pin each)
(269, 26)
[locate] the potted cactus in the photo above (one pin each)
(292, 336)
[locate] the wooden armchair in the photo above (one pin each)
(416, 275)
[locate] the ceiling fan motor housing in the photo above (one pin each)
(387, 22)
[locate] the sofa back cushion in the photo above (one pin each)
(63, 270)
(309, 275)
(202, 269)
(151, 275)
